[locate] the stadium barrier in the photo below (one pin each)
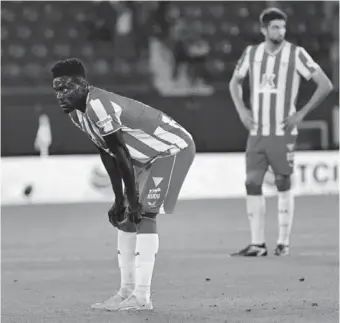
(82, 178)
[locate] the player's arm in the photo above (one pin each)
(308, 69)
(115, 143)
(235, 88)
(111, 165)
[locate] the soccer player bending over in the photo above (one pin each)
(145, 149)
(275, 67)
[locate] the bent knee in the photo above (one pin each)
(283, 182)
(254, 184)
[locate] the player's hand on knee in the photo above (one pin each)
(132, 214)
(247, 118)
(116, 213)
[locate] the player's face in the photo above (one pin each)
(69, 92)
(276, 31)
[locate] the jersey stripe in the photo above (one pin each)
(139, 145)
(136, 154)
(251, 70)
(266, 107)
(274, 97)
(259, 53)
(147, 139)
(289, 81)
(303, 59)
(281, 88)
(170, 137)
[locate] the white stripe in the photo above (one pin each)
(243, 69)
(99, 109)
(295, 90)
(171, 138)
(266, 98)
(281, 86)
(118, 110)
(145, 138)
(256, 85)
(135, 154)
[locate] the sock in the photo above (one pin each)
(286, 214)
(256, 209)
(146, 250)
(126, 260)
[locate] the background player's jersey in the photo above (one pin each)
(274, 84)
(148, 133)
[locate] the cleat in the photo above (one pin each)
(132, 303)
(252, 251)
(281, 250)
(113, 303)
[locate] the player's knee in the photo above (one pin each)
(283, 182)
(253, 186)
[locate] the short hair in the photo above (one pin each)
(270, 14)
(68, 67)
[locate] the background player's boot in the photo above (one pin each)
(281, 250)
(133, 303)
(113, 302)
(252, 251)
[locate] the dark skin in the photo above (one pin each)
(71, 94)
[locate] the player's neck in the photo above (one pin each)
(81, 104)
(272, 48)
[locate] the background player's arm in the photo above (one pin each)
(310, 70)
(111, 165)
(235, 88)
(115, 143)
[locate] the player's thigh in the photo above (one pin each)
(164, 180)
(182, 164)
(256, 161)
(280, 153)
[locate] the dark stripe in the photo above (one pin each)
(289, 81)
(273, 108)
(176, 131)
(304, 61)
(100, 141)
(273, 96)
(262, 72)
(139, 145)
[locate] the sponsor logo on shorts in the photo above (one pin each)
(154, 194)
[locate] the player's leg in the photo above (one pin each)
(126, 246)
(159, 193)
(280, 154)
(256, 167)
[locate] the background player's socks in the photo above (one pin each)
(286, 214)
(256, 209)
(126, 260)
(146, 250)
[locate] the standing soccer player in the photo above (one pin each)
(145, 149)
(275, 67)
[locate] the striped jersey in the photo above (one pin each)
(274, 83)
(148, 133)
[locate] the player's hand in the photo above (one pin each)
(246, 117)
(116, 213)
(132, 214)
(293, 121)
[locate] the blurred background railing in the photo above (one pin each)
(176, 56)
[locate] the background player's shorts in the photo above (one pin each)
(276, 152)
(160, 184)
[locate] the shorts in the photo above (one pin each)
(159, 184)
(276, 152)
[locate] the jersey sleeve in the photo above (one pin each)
(305, 65)
(242, 66)
(105, 114)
